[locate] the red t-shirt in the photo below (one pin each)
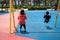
(21, 19)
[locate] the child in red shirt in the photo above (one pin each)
(21, 19)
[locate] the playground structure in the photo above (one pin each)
(11, 16)
(57, 13)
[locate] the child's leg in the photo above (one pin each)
(20, 27)
(24, 27)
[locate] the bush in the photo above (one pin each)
(3, 11)
(39, 7)
(31, 7)
(34, 7)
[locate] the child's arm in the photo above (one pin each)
(44, 16)
(18, 17)
(25, 17)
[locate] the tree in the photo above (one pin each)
(2, 4)
(22, 2)
(18, 2)
(15, 4)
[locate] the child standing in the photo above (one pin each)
(21, 19)
(55, 7)
(47, 17)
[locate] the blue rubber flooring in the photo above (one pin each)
(37, 29)
(2, 13)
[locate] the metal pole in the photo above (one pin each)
(57, 14)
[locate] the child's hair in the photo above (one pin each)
(47, 12)
(22, 12)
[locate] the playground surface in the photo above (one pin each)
(4, 28)
(35, 26)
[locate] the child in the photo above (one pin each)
(47, 17)
(55, 7)
(21, 19)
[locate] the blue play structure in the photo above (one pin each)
(37, 29)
